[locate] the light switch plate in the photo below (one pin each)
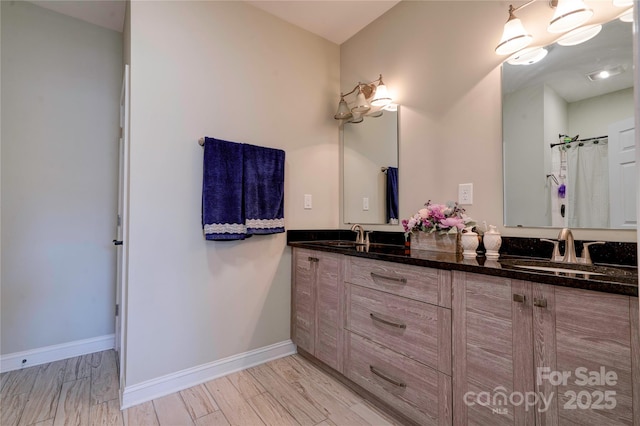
(308, 202)
(365, 204)
(465, 193)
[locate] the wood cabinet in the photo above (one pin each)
(317, 305)
(398, 337)
(529, 353)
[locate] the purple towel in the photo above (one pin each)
(263, 186)
(222, 199)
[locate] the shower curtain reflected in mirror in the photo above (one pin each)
(588, 186)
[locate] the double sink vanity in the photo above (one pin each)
(438, 339)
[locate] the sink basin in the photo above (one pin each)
(536, 265)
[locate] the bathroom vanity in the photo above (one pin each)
(437, 339)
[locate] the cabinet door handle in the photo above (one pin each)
(313, 259)
(387, 322)
(384, 277)
(541, 303)
(520, 298)
(387, 378)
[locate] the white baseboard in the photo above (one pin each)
(52, 353)
(165, 385)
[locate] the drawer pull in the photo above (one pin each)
(384, 321)
(520, 298)
(313, 259)
(387, 378)
(541, 303)
(384, 277)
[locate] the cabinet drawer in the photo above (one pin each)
(415, 282)
(414, 389)
(418, 330)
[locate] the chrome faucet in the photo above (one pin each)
(569, 246)
(360, 230)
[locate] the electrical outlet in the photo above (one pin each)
(365, 204)
(465, 193)
(308, 202)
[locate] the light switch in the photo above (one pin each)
(308, 202)
(365, 204)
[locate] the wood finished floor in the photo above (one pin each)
(84, 391)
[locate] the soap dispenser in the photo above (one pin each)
(470, 242)
(492, 242)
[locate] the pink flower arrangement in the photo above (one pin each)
(441, 218)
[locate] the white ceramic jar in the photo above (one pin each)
(492, 242)
(470, 243)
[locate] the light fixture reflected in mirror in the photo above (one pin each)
(370, 101)
(626, 16)
(528, 56)
(356, 118)
(579, 35)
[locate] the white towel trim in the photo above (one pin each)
(265, 223)
(225, 228)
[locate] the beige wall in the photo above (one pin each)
(61, 80)
(439, 58)
(227, 70)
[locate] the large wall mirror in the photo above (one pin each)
(370, 170)
(568, 135)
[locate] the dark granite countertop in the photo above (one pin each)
(391, 248)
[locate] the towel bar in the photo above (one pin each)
(201, 141)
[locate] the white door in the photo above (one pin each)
(622, 174)
(122, 230)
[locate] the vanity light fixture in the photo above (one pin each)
(371, 99)
(569, 14)
(361, 102)
(528, 56)
(344, 112)
(514, 36)
(579, 35)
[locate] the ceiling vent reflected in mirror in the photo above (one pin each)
(605, 73)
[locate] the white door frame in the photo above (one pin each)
(123, 231)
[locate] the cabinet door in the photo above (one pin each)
(492, 350)
(584, 355)
(304, 271)
(329, 300)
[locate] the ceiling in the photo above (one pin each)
(105, 13)
(336, 21)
